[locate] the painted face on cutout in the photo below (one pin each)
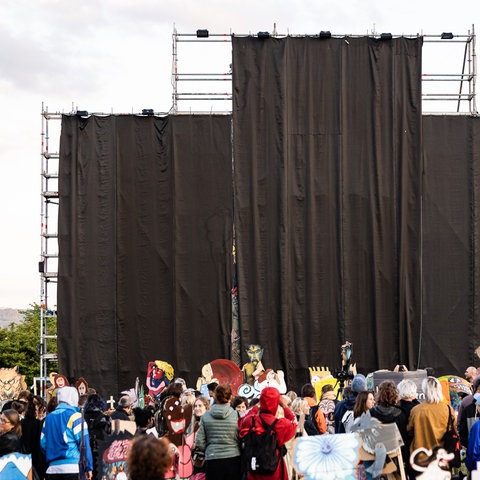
(178, 417)
(60, 381)
(207, 371)
(82, 386)
(255, 353)
(156, 379)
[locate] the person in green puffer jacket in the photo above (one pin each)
(218, 437)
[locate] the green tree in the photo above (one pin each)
(19, 343)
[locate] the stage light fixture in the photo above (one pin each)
(446, 36)
(202, 33)
(263, 34)
(81, 113)
(386, 36)
(325, 34)
(148, 111)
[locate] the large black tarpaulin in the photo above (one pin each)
(327, 150)
(451, 228)
(145, 235)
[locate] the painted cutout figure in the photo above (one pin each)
(82, 386)
(254, 367)
(159, 376)
(178, 418)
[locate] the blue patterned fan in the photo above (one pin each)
(327, 457)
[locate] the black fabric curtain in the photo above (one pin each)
(449, 333)
(145, 239)
(355, 219)
(327, 150)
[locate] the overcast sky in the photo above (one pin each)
(116, 56)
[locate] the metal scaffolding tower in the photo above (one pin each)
(48, 264)
(200, 75)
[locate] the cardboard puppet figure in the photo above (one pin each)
(159, 376)
(82, 386)
(178, 418)
(11, 383)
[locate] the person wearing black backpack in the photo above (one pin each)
(266, 421)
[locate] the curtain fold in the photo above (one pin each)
(327, 150)
(145, 238)
(449, 334)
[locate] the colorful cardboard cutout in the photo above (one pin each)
(11, 383)
(324, 457)
(433, 463)
(113, 452)
(319, 373)
(249, 391)
(269, 378)
(132, 395)
(206, 377)
(221, 371)
(454, 388)
(254, 367)
(178, 418)
(60, 381)
(159, 376)
(320, 376)
(15, 466)
(82, 386)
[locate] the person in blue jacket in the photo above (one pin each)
(61, 437)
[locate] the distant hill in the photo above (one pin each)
(9, 315)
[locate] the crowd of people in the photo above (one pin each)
(63, 436)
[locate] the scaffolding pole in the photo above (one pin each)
(223, 96)
(48, 264)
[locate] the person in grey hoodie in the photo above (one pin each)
(218, 437)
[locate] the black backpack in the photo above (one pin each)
(259, 452)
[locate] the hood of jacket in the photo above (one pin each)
(221, 411)
(350, 402)
(386, 414)
(269, 400)
(68, 395)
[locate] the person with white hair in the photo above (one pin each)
(61, 437)
(428, 421)
(407, 392)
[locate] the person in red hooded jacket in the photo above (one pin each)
(285, 427)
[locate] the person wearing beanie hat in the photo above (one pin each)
(359, 384)
(61, 436)
(266, 412)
